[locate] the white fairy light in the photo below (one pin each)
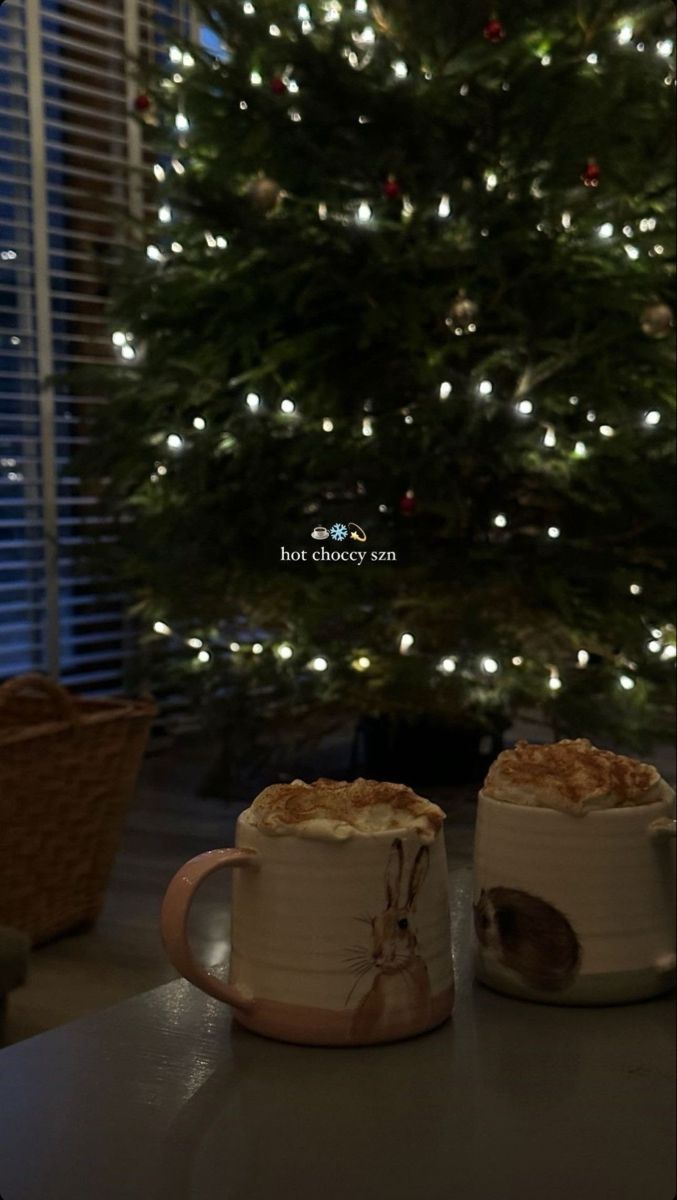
(632, 252)
(306, 27)
(256, 79)
(408, 419)
(485, 387)
(581, 450)
(444, 207)
(128, 352)
(517, 660)
(625, 34)
(182, 123)
(285, 651)
(275, 31)
(294, 115)
(253, 401)
(332, 12)
(554, 532)
(500, 520)
(400, 69)
(406, 642)
(591, 416)
(292, 87)
(154, 253)
(653, 417)
(257, 648)
(175, 55)
(319, 663)
(640, 47)
(188, 60)
(592, 58)
(654, 646)
(635, 589)
(161, 469)
(549, 437)
(159, 172)
(177, 78)
(221, 243)
(327, 424)
(545, 60)
(234, 647)
(554, 682)
(361, 7)
(445, 390)
(582, 658)
(366, 38)
(367, 427)
(628, 231)
(210, 240)
(566, 220)
(177, 248)
(303, 12)
(664, 48)
(362, 663)
(199, 423)
(606, 230)
(490, 181)
(162, 627)
(447, 666)
(164, 214)
(119, 338)
(669, 653)
(287, 406)
(203, 656)
(248, 8)
(489, 665)
(607, 431)
(626, 682)
(657, 633)
(524, 407)
(174, 441)
(363, 212)
(647, 224)
(659, 249)
(195, 643)
(573, 401)
(322, 211)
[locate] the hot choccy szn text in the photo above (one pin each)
(322, 554)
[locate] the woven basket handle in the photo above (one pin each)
(63, 703)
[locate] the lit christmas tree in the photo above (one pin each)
(409, 281)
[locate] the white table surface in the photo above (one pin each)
(163, 1098)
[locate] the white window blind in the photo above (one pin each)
(69, 150)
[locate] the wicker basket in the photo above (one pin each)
(67, 772)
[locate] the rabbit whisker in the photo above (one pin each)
(359, 977)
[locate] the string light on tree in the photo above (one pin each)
(485, 387)
(549, 437)
(362, 663)
(500, 520)
(582, 659)
(195, 643)
(181, 122)
(364, 212)
(580, 450)
(554, 532)
(625, 34)
(554, 681)
(234, 647)
(636, 589)
(203, 656)
(444, 207)
(257, 648)
(524, 407)
(489, 665)
(367, 427)
(517, 660)
(175, 441)
(447, 665)
(162, 628)
(606, 230)
(285, 651)
(669, 652)
(607, 431)
(652, 418)
(199, 423)
(627, 682)
(253, 401)
(327, 424)
(287, 406)
(319, 663)
(406, 642)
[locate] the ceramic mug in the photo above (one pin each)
(575, 909)
(333, 942)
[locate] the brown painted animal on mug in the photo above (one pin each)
(401, 986)
(529, 936)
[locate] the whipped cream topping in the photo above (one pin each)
(332, 809)
(573, 776)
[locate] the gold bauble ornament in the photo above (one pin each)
(264, 193)
(463, 314)
(657, 320)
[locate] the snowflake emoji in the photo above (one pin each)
(339, 532)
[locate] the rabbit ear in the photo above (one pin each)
(394, 874)
(418, 874)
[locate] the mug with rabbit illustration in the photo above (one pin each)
(334, 940)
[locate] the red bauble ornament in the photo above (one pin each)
(494, 30)
(278, 86)
(408, 503)
(142, 103)
(392, 188)
(590, 175)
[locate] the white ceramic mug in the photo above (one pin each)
(333, 942)
(575, 909)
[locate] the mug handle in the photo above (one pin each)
(663, 827)
(174, 922)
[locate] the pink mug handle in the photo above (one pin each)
(174, 921)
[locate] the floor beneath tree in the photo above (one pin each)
(167, 824)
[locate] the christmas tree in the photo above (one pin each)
(408, 289)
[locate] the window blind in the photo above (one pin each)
(69, 151)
